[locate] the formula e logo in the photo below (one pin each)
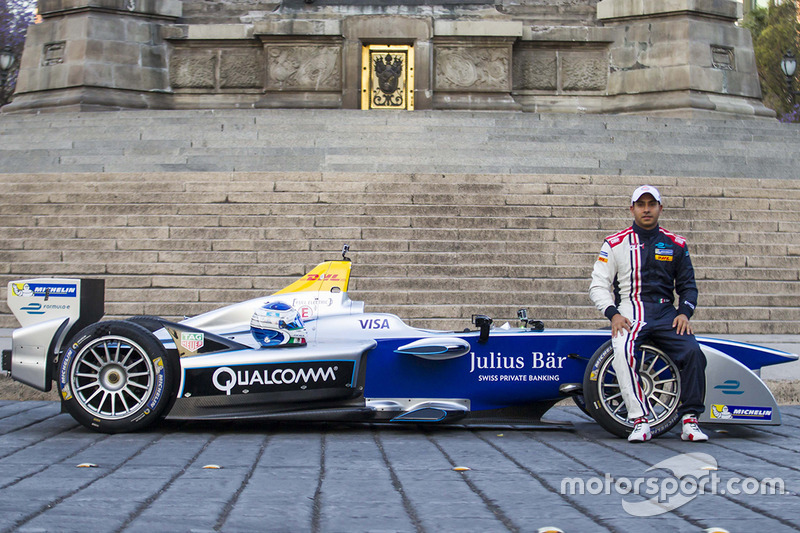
(374, 323)
(192, 341)
(33, 309)
(730, 386)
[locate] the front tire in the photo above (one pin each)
(661, 382)
(116, 377)
(150, 323)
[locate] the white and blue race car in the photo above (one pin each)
(309, 353)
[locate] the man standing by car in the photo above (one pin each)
(634, 281)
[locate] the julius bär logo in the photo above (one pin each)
(192, 341)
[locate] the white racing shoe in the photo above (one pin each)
(641, 431)
(691, 431)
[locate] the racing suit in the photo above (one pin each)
(636, 274)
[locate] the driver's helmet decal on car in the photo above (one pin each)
(277, 324)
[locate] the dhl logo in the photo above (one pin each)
(322, 277)
(325, 277)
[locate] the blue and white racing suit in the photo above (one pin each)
(637, 275)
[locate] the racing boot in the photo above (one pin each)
(691, 431)
(641, 431)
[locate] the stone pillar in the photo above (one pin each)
(682, 57)
(95, 55)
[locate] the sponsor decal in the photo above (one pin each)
(730, 386)
(158, 364)
(297, 302)
(374, 323)
(141, 416)
(276, 377)
(664, 255)
(498, 361)
(45, 290)
(595, 373)
(740, 412)
(322, 277)
(518, 377)
(33, 309)
(307, 307)
(63, 372)
(603, 257)
(192, 341)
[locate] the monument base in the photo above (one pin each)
(678, 57)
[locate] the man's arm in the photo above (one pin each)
(686, 288)
(600, 290)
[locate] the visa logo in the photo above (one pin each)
(374, 323)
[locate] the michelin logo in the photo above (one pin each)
(44, 290)
(738, 412)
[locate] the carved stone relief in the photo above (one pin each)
(472, 69)
(310, 68)
(582, 71)
(53, 53)
(192, 69)
(535, 69)
(240, 69)
(722, 58)
(544, 69)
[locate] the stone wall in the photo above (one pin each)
(676, 57)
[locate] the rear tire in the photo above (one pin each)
(580, 401)
(661, 381)
(116, 377)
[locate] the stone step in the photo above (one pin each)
(354, 141)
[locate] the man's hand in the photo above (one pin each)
(619, 324)
(682, 326)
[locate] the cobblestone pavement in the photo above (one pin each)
(325, 477)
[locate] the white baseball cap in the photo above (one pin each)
(645, 189)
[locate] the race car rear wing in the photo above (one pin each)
(50, 311)
(327, 276)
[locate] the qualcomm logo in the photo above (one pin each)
(225, 378)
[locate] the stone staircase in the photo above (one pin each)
(447, 214)
(423, 141)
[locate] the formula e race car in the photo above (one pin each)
(309, 353)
